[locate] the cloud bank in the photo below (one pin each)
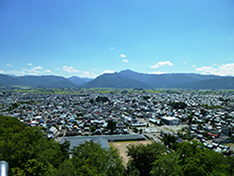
(223, 70)
(162, 64)
(70, 69)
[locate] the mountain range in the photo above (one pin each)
(125, 79)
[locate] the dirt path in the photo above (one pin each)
(122, 148)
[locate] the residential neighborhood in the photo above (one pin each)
(206, 117)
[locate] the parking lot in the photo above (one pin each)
(153, 131)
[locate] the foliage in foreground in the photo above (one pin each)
(29, 152)
(189, 159)
(90, 159)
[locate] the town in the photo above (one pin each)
(207, 116)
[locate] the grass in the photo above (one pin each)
(112, 146)
(228, 144)
(170, 129)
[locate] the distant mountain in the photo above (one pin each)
(8, 80)
(115, 80)
(220, 83)
(38, 81)
(46, 81)
(131, 79)
(125, 79)
(79, 81)
(165, 80)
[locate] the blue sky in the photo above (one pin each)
(88, 38)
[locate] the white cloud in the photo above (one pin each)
(2, 72)
(123, 55)
(108, 71)
(29, 64)
(162, 64)
(47, 71)
(33, 74)
(70, 69)
(17, 73)
(57, 69)
(125, 60)
(204, 69)
(223, 70)
(9, 65)
(194, 66)
(112, 48)
(86, 74)
(184, 62)
(157, 72)
(32, 71)
(38, 68)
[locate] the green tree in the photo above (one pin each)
(90, 159)
(169, 140)
(111, 125)
(27, 149)
(190, 118)
(191, 159)
(178, 105)
(91, 101)
(142, 157)
(167, 165)
(102, 99)
(135, 129)
(195, 159)
(93, 128)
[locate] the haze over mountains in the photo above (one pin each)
(125, 79)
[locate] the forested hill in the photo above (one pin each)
(125, 79)
(131, 79)
(29, 152)
(42, 81)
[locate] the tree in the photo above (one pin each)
(190, 118)
(102, 99)
(29, 152)
(111, 125)
(135, 129)
(90, 159)
(192, 158)
(166, 165)
(93, 128)
(178, 105)
(142, 157)
(91, 101)
(27, 149)
(195, 159)
(169, 140)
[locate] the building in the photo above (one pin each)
(102, 140)
(170, 120)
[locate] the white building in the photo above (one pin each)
(170, 120)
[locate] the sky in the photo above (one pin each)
(87, 38)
